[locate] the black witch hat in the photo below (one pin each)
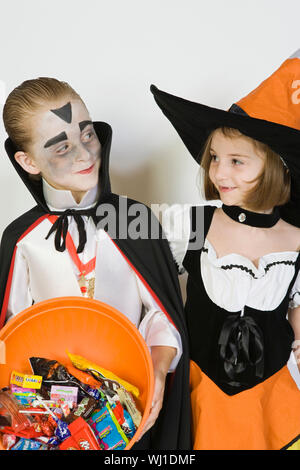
(269, 114)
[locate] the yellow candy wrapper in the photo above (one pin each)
(25, 380)
(83, 364)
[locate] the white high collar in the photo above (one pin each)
(61, 199)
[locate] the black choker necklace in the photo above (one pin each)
(254, 219)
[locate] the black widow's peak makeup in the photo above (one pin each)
(65, 112)
(63, 136)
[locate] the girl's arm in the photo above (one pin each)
(294, 319)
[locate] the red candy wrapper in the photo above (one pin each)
(82, 437)
(10, 410)
(46, 426)
(9, 440)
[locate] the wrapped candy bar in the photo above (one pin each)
(107, 429)
(81, 438)
(128, 425)
(84, 409)
(83, 377)
(64, 394)
(28, 444)
(85, 365)
(54, 373)
(25, 380)
(66, 413)
(25, 396)
(128, 402)
(10, 410)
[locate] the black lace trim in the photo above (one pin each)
(295, 293)
(249, 271)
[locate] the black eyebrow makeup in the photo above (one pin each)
(83, 124)
(58, 138)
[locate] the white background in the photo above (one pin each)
(214, 52)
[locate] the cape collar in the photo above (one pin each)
(60, 200)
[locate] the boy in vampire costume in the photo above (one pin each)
(67, 245)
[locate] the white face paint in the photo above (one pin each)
(67, 154)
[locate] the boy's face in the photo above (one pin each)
(65, 147)
(235, 162)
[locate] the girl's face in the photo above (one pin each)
(65, 147)
(234, 163)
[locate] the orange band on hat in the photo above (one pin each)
(277, 99)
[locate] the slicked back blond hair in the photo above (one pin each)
(26, 100)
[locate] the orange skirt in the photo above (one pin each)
(265, 417)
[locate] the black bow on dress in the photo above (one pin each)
(241, 342)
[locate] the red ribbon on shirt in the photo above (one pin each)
(84, 268)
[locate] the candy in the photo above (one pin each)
(47, 427)
(64, 394)
(85, 365)
(128, 425)
(82, 437)
(94, 392)
(65, 409)
(128, 402)
(107, 429)
(84, 409)
(25, 380)
(25, 396)
(16, 390)
(26, 444)
(62, 431)
(49, 403)
(54, 373)
(83, 377)
(118, 412)
(10, 410)
(8, 440)
(53, 441)
(60, 423)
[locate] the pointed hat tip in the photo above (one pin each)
(153, 88)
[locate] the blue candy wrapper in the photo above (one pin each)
(62, 430)
(107, 429)
(27, 444)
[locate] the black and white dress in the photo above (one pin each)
(243, 395)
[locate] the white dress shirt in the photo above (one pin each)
(41, 272)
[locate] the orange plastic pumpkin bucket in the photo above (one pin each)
(85, 327)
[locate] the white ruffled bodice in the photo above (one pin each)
(233, 281)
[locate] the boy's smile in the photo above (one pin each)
(66, 153)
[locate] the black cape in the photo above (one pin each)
(151, 258)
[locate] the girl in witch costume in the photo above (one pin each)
(243, 287)
(64, 247)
